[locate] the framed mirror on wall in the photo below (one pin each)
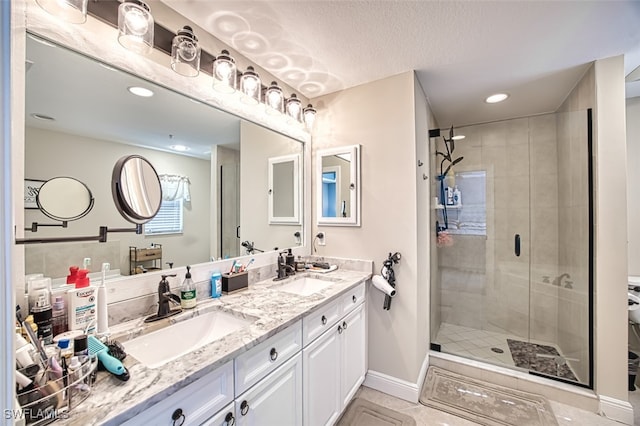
(284, 192)
(338, 188)
(184, 138)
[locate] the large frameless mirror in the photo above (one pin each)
(77, 107)
(338, 188)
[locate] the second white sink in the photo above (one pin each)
(159, 347)
(305, 286)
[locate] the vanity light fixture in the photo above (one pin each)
(309, 115)
(274, 99)
(293, 107)
(140, 91)
(458, 137)
(498, 97)
(72, 11)
(185, 52)
(135, 26)
(224, 73)
(250, 87)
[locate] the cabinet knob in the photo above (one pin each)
(178, 415)
(344, 325)
(354, 298)
(229, 419)
(324, 320)
(339, 329)
(273, 354)
(244, 408)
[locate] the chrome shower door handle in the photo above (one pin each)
(517, 245)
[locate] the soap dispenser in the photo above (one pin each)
(291, 259)
(188, 291)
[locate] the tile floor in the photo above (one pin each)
(426, 416)
(476, 344)
(634, 399)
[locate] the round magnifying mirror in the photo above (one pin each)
(136, 190)
(64, 199)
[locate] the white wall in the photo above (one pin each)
(633, 179)
(611, 230)
(381, 116)
(49, 154)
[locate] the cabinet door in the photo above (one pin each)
(275, 400)
(321, 379)
(353, 353)
(225, 417)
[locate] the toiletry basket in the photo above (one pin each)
(55, 400)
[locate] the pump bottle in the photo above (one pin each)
(188, 291)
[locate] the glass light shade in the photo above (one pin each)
(294, 108)
(185, 53)
(274, 99)
(72, 11)
(309, 115)
(224, 73)
(250, 86)
(135, 26)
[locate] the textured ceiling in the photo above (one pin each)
(462, 51)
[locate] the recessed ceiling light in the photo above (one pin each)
(140, 91)
(458, 137)
(498, 97)
(180, 148)
(42, 117)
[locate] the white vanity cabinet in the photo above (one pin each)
(334, 364)
(275, 400)
(225, 417)
(193, 404)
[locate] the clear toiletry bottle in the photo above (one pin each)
(457, 197)
(59, 316)
(188, 291)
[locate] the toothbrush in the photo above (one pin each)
(244, 268)
(103, 317)
(232, 266)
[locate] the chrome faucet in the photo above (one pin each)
(165, 297)
(557, 281)
(284, 270)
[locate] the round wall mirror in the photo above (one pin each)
(136, 190)
(64, 199)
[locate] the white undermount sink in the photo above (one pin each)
(159, 347)
(305, 286)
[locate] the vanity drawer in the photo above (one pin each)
(353, 298)
(260, 360)
(197, 401)
(317, 322)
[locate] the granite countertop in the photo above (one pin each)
(112, 402)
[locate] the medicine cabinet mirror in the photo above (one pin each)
(80, 119)
(338, 188)
(284, 193)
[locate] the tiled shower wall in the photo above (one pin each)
(483, 283)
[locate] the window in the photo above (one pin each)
(168, 220)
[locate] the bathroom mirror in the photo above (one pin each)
(81, 119)
(64, 199)
(338, 188)
(284, 196)
(136, 190)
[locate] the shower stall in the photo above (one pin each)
(511, 272)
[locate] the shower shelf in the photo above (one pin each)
(441, 207)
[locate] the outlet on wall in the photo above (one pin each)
(322, 239)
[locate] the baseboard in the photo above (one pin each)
(616, 409)
(397, 387)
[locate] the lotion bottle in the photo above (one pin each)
(188, 291)
(457, 197)
(82, 304)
